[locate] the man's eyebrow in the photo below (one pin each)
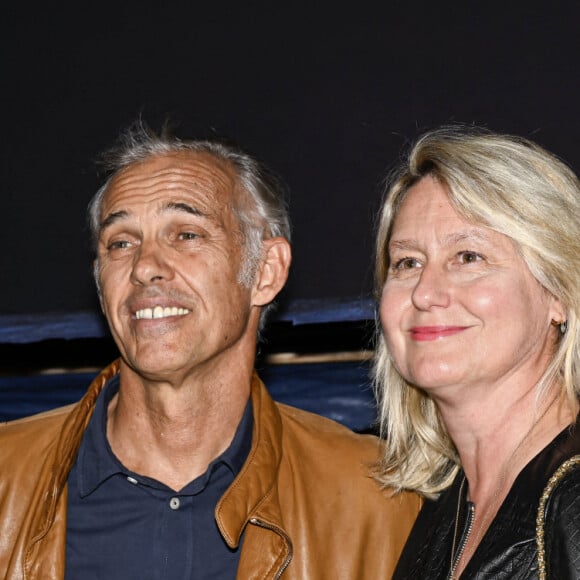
(170, 206)
(184, 207)
(112, 218)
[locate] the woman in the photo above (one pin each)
(478, 361)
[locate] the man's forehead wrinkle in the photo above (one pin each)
(208, 182)
(201, 176)
(170, 179)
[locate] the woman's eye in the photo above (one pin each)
(469, 257)
(406, 264)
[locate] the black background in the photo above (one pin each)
(327, 96)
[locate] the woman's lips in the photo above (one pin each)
(423, 333)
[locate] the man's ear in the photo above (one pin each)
(273, 271)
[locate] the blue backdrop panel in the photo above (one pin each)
(340, 391)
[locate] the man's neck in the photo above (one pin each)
(172, 434)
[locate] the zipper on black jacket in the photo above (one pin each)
(464, 537)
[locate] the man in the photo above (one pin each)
(177, 463)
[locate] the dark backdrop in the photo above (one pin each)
(327, 96)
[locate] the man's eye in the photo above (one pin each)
(118, 245)
(188, 236)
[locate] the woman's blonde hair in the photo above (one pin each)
(517, 188)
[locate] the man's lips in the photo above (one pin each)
(160, 312)
(434, 332)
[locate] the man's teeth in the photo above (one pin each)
(160, 312)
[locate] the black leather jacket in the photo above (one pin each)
(508, 549)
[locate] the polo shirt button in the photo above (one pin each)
(174, 503)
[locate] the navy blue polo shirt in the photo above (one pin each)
(121, 525)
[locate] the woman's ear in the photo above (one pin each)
(559, 316)
(273, 271)
(558, 313)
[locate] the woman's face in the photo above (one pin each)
(459, 306)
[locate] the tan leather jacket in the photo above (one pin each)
(304, 497)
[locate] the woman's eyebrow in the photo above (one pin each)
(473, 234)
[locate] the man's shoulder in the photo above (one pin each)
(324, 430)
(340, 460)
(34, 426)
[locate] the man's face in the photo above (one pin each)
(169, 255)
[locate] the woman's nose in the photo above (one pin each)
(432, 288)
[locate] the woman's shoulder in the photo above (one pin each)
(563, 447)
(561, 495)
(558, 520)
